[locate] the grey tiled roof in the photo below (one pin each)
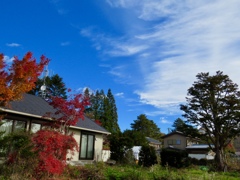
(154, 141)
(90, 124)
(34, 105)
(31, 104)
(172, 133)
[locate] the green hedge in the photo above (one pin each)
(174, 157)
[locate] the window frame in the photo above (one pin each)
(31, 126)
(174, 141)
(87, 146)
(13, 125)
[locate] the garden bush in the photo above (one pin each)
(20, 160)
(174, 157)
(147, 156)
(52, 148)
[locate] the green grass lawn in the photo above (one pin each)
(101, 171)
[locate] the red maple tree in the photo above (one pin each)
(52, 145)
(70, 110)
(20, 77)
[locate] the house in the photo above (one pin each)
(200, 151)
(154, 143)
(178, 140)
(193, 146)
(28, 114)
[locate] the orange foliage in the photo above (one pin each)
(20, 77)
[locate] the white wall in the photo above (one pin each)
(98, 153)
(201, 156)
(105, 155)
(76, 135)
(98, 147)
(197, 156)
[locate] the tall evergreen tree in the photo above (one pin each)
(146, 127)
(95, 110)
(110, 113)
(136, 138)
(89, 110)
(54, 87)
(103, 108)
(182, 126)
(213, 103)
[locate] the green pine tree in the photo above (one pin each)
(104, 109)
(110, 117)
(54, 87)
(146, 127)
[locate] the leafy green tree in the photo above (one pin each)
(136, 138)
(146, 127)
(54, 87)
(213, 103)
(119, 145)
(147, 156)
(188, 130)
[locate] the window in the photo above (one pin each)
(35, 127)
(178, 141)
(19, 126)
(87, 146)
(170, 142)
(174, 142)
(6, 127)
(9, 126)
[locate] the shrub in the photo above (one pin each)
(147, 156)
(52, 148)
(128, 158)
(21, 160)
(119, 145)
(90, 171)
(173, 157)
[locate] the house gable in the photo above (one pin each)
(35, 107)
(32, 110)
(178, 140)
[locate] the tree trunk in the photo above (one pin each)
(220, 160)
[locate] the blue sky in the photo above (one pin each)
(147, 52)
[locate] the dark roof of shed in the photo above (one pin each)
(37, 106)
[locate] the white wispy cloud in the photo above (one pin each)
(13, 44)
(7, 59)
(202, 39)
(126, 50)
(114, 46)
(120, 94)
(122, 3)
(164, 121)
(66, 43)
(177, 40)
(60, 6)
(83, 89)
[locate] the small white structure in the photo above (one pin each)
(200, 151)
(136, 150)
